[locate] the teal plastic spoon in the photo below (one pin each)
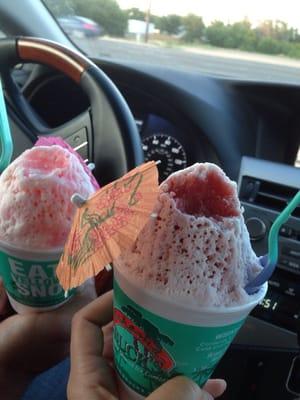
(269, 261)
(5, 135)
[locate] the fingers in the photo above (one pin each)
(84, 294)
(216, 387)
(99, 312)
(87, 338)
(180, 388)
(91, 376)
(103, 281)
(5, 308)
(3, 298)
(108, 340)
(42, 339)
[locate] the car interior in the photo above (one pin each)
(251, 129)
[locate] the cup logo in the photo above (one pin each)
(32, 283)
(147, 334)
(150, 349)
(34, 280)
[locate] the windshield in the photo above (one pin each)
(297, 162)
(249, 40)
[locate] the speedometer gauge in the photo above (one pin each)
(168, 150)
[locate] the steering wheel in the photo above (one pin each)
(107, 128)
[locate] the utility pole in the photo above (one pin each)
(147, 20)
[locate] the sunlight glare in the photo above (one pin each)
(227, 11)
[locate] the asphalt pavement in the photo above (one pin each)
(213, 63)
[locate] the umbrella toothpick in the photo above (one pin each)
(78, 200)
(106, 224)
(91, 166)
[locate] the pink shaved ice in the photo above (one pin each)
(196, 248)
(35, 197)
(52, 140)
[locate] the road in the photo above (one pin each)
(221, 63)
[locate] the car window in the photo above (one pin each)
(297, 163)
(250, 40)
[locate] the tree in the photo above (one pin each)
(194, 28)
(106, 12)
(278, 30)
(265, 29)
(269, 45)
(295, 36)
(216, 33)
(270, 37)
(170, 24)
(282, 31)
(135, 13)
(60, 7)
(155, 19)
(241, 36)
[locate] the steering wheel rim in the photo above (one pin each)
(113, 141)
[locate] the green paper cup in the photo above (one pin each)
(156, 338)
(30, 279)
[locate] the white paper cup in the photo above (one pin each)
(30, 279)
(156, 338)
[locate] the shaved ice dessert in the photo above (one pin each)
(53, 140)
(179, 295)
(36, 214)
(35, 197)
(197, 246)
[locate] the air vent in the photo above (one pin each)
(267, 194)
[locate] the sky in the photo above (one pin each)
(225, 10)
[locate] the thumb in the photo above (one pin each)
(180, 388)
